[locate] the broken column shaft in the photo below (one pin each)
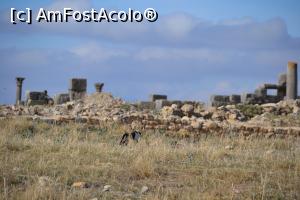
(291, 87)
(19, 89)
(98, 87)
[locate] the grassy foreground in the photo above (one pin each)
(42, 161)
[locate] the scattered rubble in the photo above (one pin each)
(269, 119)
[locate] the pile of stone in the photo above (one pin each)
(179, 116)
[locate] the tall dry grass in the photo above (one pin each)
(41, 161)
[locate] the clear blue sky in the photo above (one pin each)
(196, 48)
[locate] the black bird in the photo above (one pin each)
(124, 140)
(136, 135)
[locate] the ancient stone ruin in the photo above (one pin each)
(37, 98)
(98, 87)
(286, 89)
(61, 98)
(77, 88)
(19, 89)
(271, 116)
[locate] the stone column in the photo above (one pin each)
(98, 87)
(19, 89)
(292, 81)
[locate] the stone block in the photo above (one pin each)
(78, 85)
(74, 95)
(61, 98)
(37, 98)
(31, 102)
(35, 95)
(235, 98)
(272, 99)
(247, 98)
(146, 105)
(159, 104)
(154, 97)
(219, 98)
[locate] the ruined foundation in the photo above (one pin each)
(286, 89)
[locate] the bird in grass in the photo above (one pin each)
(125, 139)
(136, 135)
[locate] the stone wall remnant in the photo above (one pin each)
(37, 98)
(286, 89)
(77, 88)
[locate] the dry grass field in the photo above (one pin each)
(42, 161)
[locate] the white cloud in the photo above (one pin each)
(96, 53)
(223, 86)
(176, 26)
(238, 21)
(199, 54)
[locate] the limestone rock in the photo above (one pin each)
(80, 185)
(174, 106)
(187, 108)
(106, 188)
(144, 189)
(211, 125)
(196, 124)
(166, 111)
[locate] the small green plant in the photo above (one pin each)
(250, 110)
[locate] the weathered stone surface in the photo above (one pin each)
(103, 108)
(292, 81)
(77, 88)
(146, 105)
(235, 99)
(187, 108)
(159, 104)
(211, 125)
(78, 84)
(99, 87)
(19, 90)
(196, 124)
(219, 100)
(61, 98)
(154, 97)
